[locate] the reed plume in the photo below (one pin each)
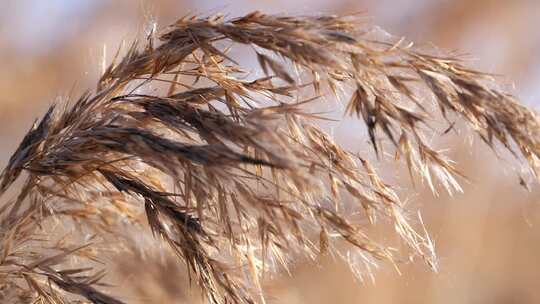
(230, 168)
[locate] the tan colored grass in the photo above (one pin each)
(230, 170)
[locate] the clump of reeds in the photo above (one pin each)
(232, 170)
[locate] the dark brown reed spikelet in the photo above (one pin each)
(231, 170)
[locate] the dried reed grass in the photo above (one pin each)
(232, 171)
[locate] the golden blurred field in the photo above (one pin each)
(487, 239)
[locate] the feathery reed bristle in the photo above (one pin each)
(231, 170)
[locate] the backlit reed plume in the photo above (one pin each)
(231, 168)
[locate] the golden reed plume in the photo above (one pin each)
(230, 167)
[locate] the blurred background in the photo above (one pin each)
(487, 239)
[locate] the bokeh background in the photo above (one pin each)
(487, 239)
